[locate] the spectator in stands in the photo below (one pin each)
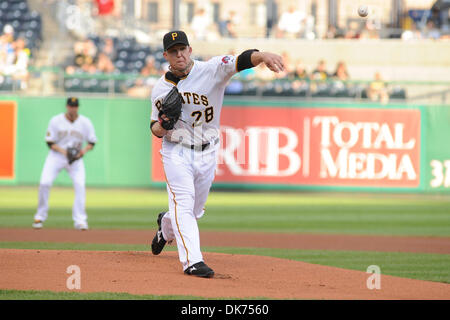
(300, 72)
(331, 32)
(377, 90)
(149, 75)
(227, 27)
(291, 23)
(200, 24)
(107, 47)
(320, 72)
(105, 14)
(104, 63)
(142, 87)
(150, 68)
(370, 31)
(341, 72)
(412, 34)
(18, 69)
(431, 32)
(299, 76)
(7, 54)
(353, 31)
(8, 31)
(22, 54)
(85, 52)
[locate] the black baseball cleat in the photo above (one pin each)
(158, 242)
(200, 269)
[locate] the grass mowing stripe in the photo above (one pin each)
(52, 295)
(343, 220)
(386, 214)
(11, 197)
(421, 266)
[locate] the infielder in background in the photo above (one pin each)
(190, 142)
(65, 137)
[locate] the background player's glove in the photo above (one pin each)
(72, 154)
(171, 108)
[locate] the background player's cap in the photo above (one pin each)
(72, 101)
(175, 37)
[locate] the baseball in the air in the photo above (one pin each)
(363, 10)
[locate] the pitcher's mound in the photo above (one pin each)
(237, 276)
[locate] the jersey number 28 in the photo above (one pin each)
(209, 115)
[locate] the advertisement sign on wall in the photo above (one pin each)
(372, 147)
(8, 120)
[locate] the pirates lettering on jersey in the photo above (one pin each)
(76, 134)
(62, 134)
(195, 98)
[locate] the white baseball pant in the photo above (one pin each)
(54, 163)
(189, 175)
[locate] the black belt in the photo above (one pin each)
(203, 146)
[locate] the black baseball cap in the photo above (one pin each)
(174, 37)
(72, 101)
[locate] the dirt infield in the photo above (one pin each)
(237, 276)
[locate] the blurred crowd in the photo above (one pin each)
(14, 57)
(315, 79)
(296, 24)
(89, 58)
(101, 57)
(293, 23)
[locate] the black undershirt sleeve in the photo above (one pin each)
(244, 60)
(50, 144)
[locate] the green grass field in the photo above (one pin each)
(299, 212)
(342, 213)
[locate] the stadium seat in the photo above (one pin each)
(6, 83)
(103, 86)
(398, 93)
(120, 65)
(72, 85)
(322, 91)
(122, 55)
(4, 5)
(364, 94)
(301, 91)
(268, 89)
(250, 89)
(138, 65)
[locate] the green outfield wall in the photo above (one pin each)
(123, 156)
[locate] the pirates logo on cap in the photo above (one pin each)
(72, 101)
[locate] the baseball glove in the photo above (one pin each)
(72, 154)
(171, 108)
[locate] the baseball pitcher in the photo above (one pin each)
(186, 106)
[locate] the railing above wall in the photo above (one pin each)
(46, 81)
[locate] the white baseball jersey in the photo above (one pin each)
(68, 134)
(189, 173)
(65, 134)
(202, 91)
